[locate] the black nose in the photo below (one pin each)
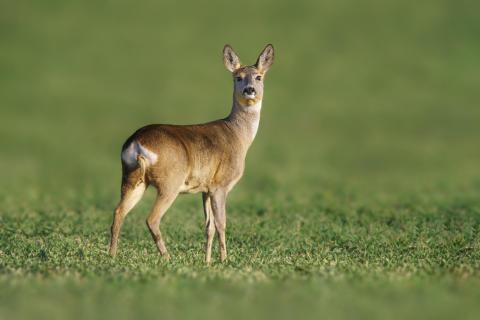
(249, 90)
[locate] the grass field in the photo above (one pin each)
(361, 197)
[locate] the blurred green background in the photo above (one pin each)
(362, 184)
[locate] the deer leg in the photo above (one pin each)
(130, 197)
(162, 203)
(218, 200)
(209, 226)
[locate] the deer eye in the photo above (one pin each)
(238, 79)
(258, 78)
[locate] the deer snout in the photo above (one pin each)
(249, 91)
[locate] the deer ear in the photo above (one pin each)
(230, 59)
(265, 59)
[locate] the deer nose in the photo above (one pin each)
(249, 90)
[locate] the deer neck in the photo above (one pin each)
(245, 120)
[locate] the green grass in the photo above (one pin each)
(361, 196)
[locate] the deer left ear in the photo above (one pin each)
(265, 59)
(230, 59)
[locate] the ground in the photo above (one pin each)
(361, 194)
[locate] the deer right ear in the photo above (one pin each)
(265, 60)
(230, 59)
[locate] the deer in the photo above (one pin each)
(206, 158)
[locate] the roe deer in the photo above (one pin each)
(207, 158)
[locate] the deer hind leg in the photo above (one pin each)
(218, 207)
(162, 203)
(131, 194)
(209, 226)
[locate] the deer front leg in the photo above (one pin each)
(218, 200)
(209, 226)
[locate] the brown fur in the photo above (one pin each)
(207, 158)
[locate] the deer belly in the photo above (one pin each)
(192, 186)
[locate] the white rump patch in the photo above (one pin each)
(130, 154)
